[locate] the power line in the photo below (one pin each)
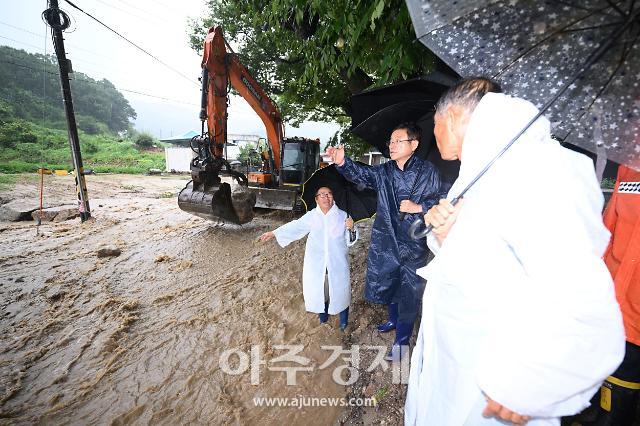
(22, 42)
(146, 12)
(101, 67)
(132, 43)
(98, 83)
(166, 6)
(130, 13)
(160, 97)
(74, 46)
(45, 37)
(21, 29)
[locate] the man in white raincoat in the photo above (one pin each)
(326, 286)
(519, 320)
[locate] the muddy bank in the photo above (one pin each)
(172, 326)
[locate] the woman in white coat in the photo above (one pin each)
(325, 278)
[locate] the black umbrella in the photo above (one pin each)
(376, 112)
(426, 88)
(359, 202)
(377, 129)
(578, 58)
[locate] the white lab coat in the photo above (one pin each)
(518, 304)
(326, 251)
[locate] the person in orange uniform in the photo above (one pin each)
(619, 393)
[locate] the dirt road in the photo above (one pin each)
(175, 328)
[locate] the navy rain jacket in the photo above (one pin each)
(393, 255)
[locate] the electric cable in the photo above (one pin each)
(154, 17)
(73, 45)
(156, 22)
(21, 42)
(98, 83)
(131, 42)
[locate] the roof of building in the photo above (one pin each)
(185, 136)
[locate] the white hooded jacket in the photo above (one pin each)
(326, 250)
(518, 305)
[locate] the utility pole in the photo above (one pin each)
(59, 21)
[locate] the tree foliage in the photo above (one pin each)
(16, 132)
(248, 154)
(144, 140)
(31, 89)
(312, 55)
(33, 128)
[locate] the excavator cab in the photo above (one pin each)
(300, 159)
(279, 188)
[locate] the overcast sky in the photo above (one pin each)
(160, 28)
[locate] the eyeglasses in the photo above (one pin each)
(397, 142)
(324, 195)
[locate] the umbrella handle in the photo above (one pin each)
(415, 231)
(418, 230)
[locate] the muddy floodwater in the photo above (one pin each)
(172, 330)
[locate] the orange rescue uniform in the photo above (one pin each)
(622, 217)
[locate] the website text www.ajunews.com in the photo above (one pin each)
(309, 401)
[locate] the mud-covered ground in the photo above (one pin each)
(190, 323)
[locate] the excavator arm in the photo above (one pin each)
(221, 68)
(207, 195)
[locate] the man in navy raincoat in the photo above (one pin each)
(406, 184)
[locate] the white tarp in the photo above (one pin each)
(178, 159)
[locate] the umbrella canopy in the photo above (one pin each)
(426, 88)
(377, 129)
(360, 203)
(377, 112)
(534, 49)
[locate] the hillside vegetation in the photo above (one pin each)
(33, 128)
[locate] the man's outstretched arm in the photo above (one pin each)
(351, 170)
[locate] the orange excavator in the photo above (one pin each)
(287, 162)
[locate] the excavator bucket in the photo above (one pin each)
(218, 202)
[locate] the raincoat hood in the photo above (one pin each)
(501, 117)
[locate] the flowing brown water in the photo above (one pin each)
(138, 338)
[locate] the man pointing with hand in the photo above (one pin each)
(409, 185)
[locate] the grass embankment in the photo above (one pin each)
(49, 148)
(7, 180)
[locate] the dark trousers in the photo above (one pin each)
(617, 401)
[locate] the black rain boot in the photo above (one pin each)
(344, 318)
(401, 344)
(392, 308)
(324, 316)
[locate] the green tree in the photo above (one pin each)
(16, 132)
(144, 140)
(311, 56)
(31, 86)
(249, 154)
